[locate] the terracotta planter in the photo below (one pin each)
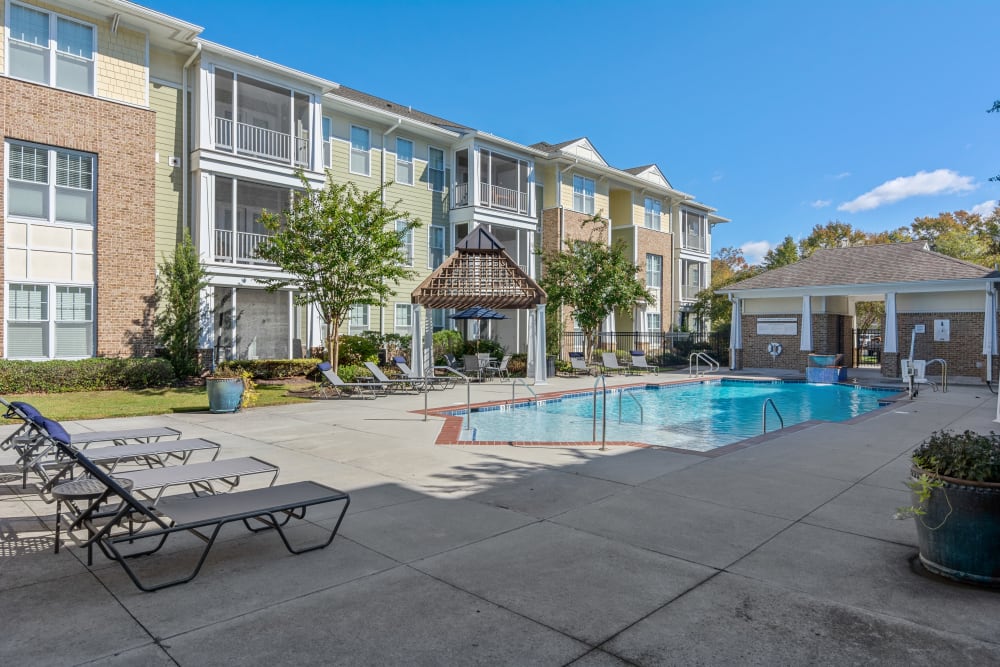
(960, 534)
(224, 394)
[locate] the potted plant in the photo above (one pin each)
(230, 389)
(955, 481)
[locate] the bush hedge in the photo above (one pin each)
(272, 369)
(98, 374)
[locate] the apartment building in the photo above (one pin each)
(122, 130)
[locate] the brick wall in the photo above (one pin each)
(658, 243)
(962, 352)
(123, 138)
(830, 333)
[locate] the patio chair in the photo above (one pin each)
(639, 362)
(579, 364)
(119, 536)
(432, 381)
(453, 363)
(388, 384)
(609, 362)
(332, 385)
(473, 366)
(493, 369)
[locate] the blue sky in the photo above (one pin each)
(782, 115)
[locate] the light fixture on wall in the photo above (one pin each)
(115, 20)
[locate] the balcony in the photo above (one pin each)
(506, 199)
(261, 143)
(461, 194)
(238, 247)
(696, 243)
(690, 292)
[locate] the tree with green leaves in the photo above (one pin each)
(786, 252)
(339, 247)
(728, 266)
(179, 282)
(592, 279)
(834, 234)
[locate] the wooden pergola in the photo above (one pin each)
(481, 273)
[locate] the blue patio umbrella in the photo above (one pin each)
(478, 313)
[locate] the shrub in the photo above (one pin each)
(518, 365)
(967, 455)
(356, 349)
(178, 293)
(447, 341)
(22, 377)
(272, 369)
(495, 349)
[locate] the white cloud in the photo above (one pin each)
(842, 175)
(937, 182)
(754, 251)
(986, 208)
(717, 176)
(821, 203)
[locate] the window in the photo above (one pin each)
(36, 327)
(406, 240)
(435, 169)
(404, 318)
(654, 271)
(360, 150)
(358, 318)
(693, 228)
(327, 141)
(436, 250)
(692, 278)
(583, 195)
(653, 208)
(439, 318)
(404, 161)
(50, 184)
(653, 322)
(50, 49)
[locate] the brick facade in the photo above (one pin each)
(123, 139)
(963, 352)
(658, 243)
(831, 334)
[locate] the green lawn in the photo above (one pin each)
(98, 404)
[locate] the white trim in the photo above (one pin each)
(412, 162)
(350, 152)
(396, 326)
(583, 194)
(921, 287)
(50, 316)
(53, 51)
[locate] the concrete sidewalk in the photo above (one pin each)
(785, 552)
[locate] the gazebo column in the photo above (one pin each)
(807, 329)
(735, 336)
(539, 345)
(890, 342)
(422, 343)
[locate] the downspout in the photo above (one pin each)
(399, 121)
(186, 141)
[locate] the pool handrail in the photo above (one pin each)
(642, 415)
(764, 413)
(944, 372)
(695, 360)
(513, 387)
(602, 379)
(468, 394)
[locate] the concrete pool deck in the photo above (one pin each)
(784, 552)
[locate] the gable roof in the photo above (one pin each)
(579, 147)
(403, 110)
(866, 265)
(651, 173)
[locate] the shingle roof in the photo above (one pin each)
(867, 265)
(635, 171)
(548, 148)
(396, 108)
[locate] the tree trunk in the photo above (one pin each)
(589, 341)
(333, 342)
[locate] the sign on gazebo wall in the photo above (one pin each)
(777, 326)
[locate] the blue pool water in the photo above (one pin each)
(698, 416)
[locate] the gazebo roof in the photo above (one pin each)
(479, 273)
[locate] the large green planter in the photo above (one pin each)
(224, 394)
(960, 533)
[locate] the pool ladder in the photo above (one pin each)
(695, 361)
(944, 373)
(775, 408)
(513, 388)
(600, 379)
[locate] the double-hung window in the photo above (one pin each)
(405, 233)
(693, 227)
(435, 169)
(404, 318)
(653, 209)
(50, 184)
(583, 195)
(436, 246)
(358, 318)
(654, 322)
(327, 142)
(37, 328)
(51, 49)
(404, 161)
(654, 271)
(361, 143)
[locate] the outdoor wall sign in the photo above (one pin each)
(777, 326)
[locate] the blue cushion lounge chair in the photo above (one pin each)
(639, 362)
(333, 385)
(121, 539)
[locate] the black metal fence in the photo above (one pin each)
(867, 348)
(662, 346)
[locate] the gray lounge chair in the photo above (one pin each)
(609, 362)
(432, 382)
(332, 383)
(388, 383)
(453, 363)
(119, 537)
(578, 364)
(639, 362)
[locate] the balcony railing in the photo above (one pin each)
(690, 292)
(244, 245)
(462, 194)
(692, 242)
(261, 142)
(506, 199)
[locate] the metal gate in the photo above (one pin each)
(867, 348)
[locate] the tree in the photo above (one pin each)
(786, 252)
(593, 279)
(834, 234)
(340, 247)
(995, 108)
(177, 323)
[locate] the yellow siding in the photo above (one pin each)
(166, 102)
(121, 57)
(601, 203)
(627, 238)
(621, 209)
(547, 177)
(167, 65)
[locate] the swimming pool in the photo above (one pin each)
(697, 416)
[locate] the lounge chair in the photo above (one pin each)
(639, 362)
(433, 382)
(578, 364)
(332, 383)
(203, 516)
(609, 362)
(473, 366)
(453, 363)
(389, 384)
(494, 369)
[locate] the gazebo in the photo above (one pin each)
(943, 307)
(479, 273)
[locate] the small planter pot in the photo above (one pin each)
(960, 534)
(224, 394)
